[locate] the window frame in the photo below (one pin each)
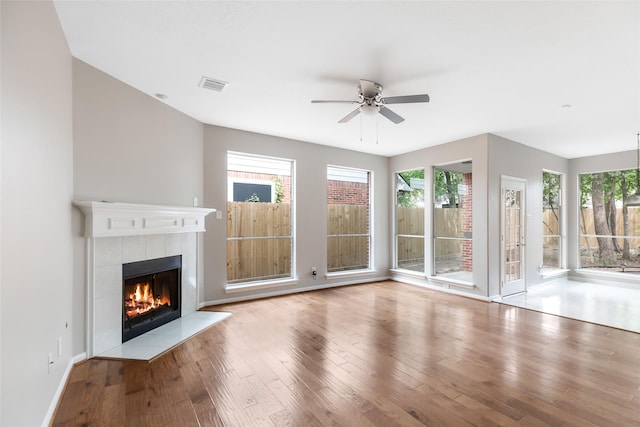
(250, 283)
(397, 235)
(446, 277)
(560, 268)
(370, 228)
(616, 269)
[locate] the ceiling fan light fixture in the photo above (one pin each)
(369, 110)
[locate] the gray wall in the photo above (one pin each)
(37, 188)
(492, 157)
(475, 149)
(520, 161)
(128, 147)
(310, 201)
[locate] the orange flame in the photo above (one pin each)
(142, 300)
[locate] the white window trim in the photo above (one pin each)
(433, 276)
(562, 268)
(291, 171)
(409, 273)
(394, 216)
(371, 268)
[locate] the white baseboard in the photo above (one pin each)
(61, 386)
(419, 282)
(292, 291)
(624, 280)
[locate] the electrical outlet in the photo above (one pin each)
(195, 202)
(59, 346)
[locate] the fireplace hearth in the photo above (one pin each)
(151, 294)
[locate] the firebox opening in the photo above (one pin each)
(151, 294)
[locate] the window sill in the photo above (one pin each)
(350, 273)
(263, 284)
(409, 273)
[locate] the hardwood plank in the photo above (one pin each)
(111, 405)
(380, 354)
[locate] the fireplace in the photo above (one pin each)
(151, 293)
(123, 233)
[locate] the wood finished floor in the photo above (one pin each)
(379, 354)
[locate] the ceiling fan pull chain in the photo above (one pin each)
(377, 131)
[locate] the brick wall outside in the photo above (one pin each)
(467, 226)
(338, 192)
(347, 193)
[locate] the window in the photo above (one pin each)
(259, 218)
(609, 230)
(348, 219)
(409, 221)
(551, 214)
(452, 221)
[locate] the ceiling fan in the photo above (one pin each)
(370, 96)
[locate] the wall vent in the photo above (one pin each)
(212, 84)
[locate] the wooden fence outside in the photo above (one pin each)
(249, 219)
(268, 257)
(347, 252)
(446, 223)
(410, 242)
(587, 226)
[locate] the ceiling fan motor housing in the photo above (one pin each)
(369, 89)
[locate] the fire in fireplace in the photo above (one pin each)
(151, 294)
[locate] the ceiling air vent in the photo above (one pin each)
(212, 84)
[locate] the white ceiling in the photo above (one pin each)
(505, 67)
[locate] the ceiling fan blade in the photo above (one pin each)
(405, 99)
(327, 101)
(349, 116)
(390, 115)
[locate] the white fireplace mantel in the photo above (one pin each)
(108, 219)
(119, 233)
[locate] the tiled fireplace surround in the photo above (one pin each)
(118, 233)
